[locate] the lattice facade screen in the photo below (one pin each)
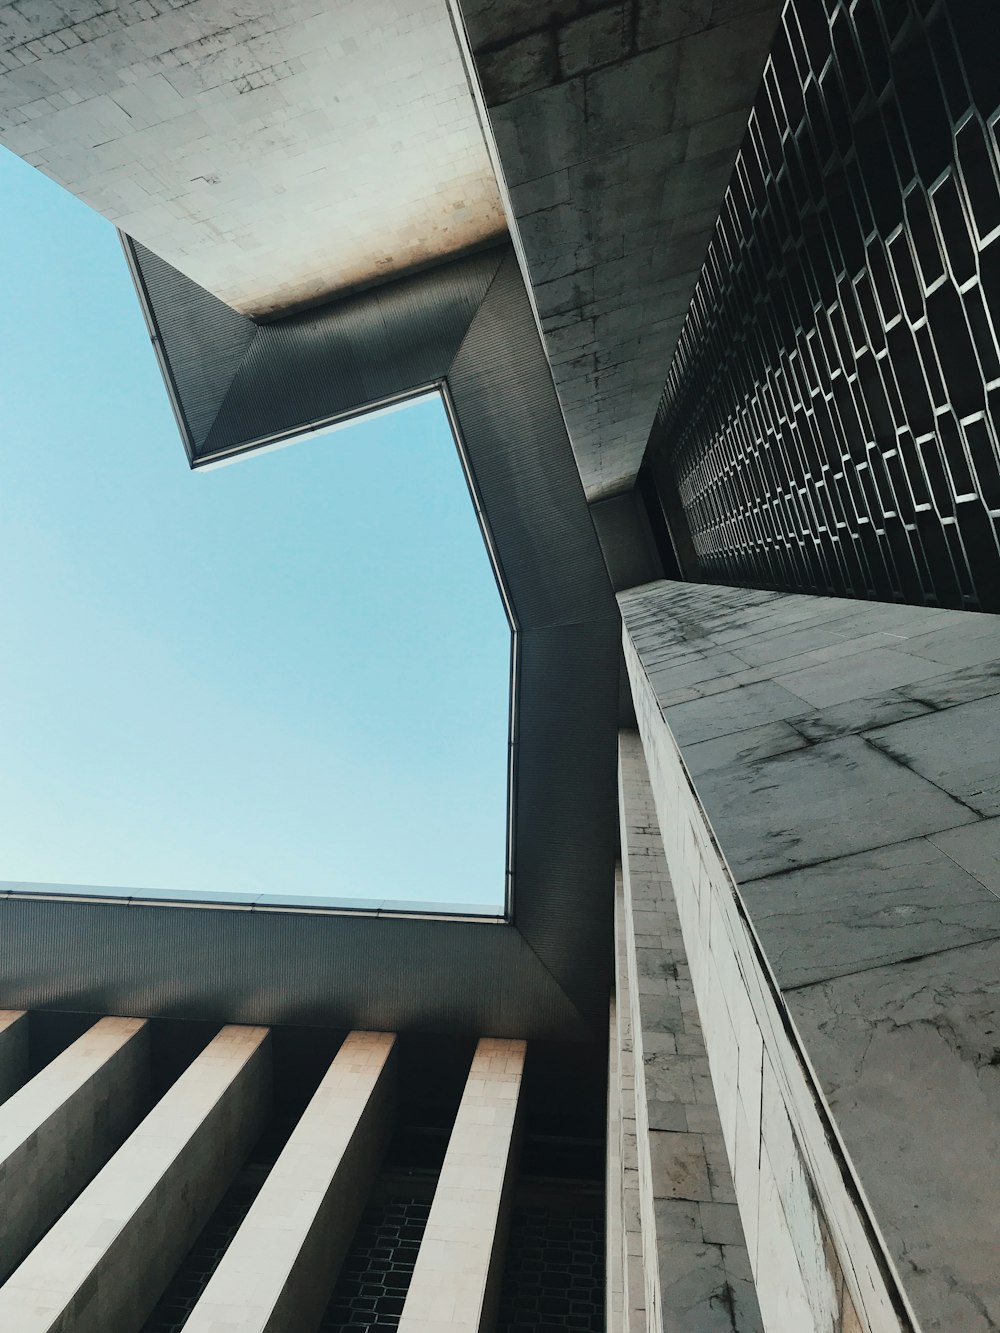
(831, 415)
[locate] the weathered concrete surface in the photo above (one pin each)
(818, 1263)
(627, 1261)
(846, 755)
(614, 1251)
(60, 1128)
(105, 1262)
(697, 1267)
(13, 1050)
(273, 152)
(455, 1281)
(617, 126)
(279, 1271)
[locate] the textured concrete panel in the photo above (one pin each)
(827, 800)
(870, 867)
(58, 1130)
(454, 1283)
(855, 912)
(275, 153)
(614, 1251)
(617, 126)
(105, 1262)
(910, 1057)
(277, 1275)
(13, 1050)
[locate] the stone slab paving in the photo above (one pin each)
(104, 1263)
(13, 1050)
(862, 829)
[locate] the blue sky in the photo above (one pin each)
(288, 675)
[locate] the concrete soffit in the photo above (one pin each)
(614, 130)
(467, 329)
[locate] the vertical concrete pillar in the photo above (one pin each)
(630, 1252)
(614, 1245)
(455, 1282)
(697, 1268)
(105, 1262)
(279, 1271)
(13, 1050)
(58, 1130)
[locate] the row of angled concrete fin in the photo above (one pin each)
(91, 1253)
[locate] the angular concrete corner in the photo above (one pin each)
(106, 1261)
(13, 1050)
(454, 1284)
(60, 1128)
(279, 1271)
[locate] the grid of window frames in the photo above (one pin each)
(831, 414)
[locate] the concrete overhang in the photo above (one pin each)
(285, 154)
(274, 153)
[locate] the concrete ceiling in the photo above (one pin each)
(617, 126)
(276, 153)
(282, 154)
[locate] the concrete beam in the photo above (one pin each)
(279, 1272)
(456, 1278)
(58, 1130)
(106, 1261)
(13, 1050)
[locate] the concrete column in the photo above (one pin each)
(630, 1255)
(696, 1265)
(104, 1264)
(60, 1128)
(614, 1244)
(13, 1050)
(455, 1282)
(279, 1272)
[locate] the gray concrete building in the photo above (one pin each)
(711, 291)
